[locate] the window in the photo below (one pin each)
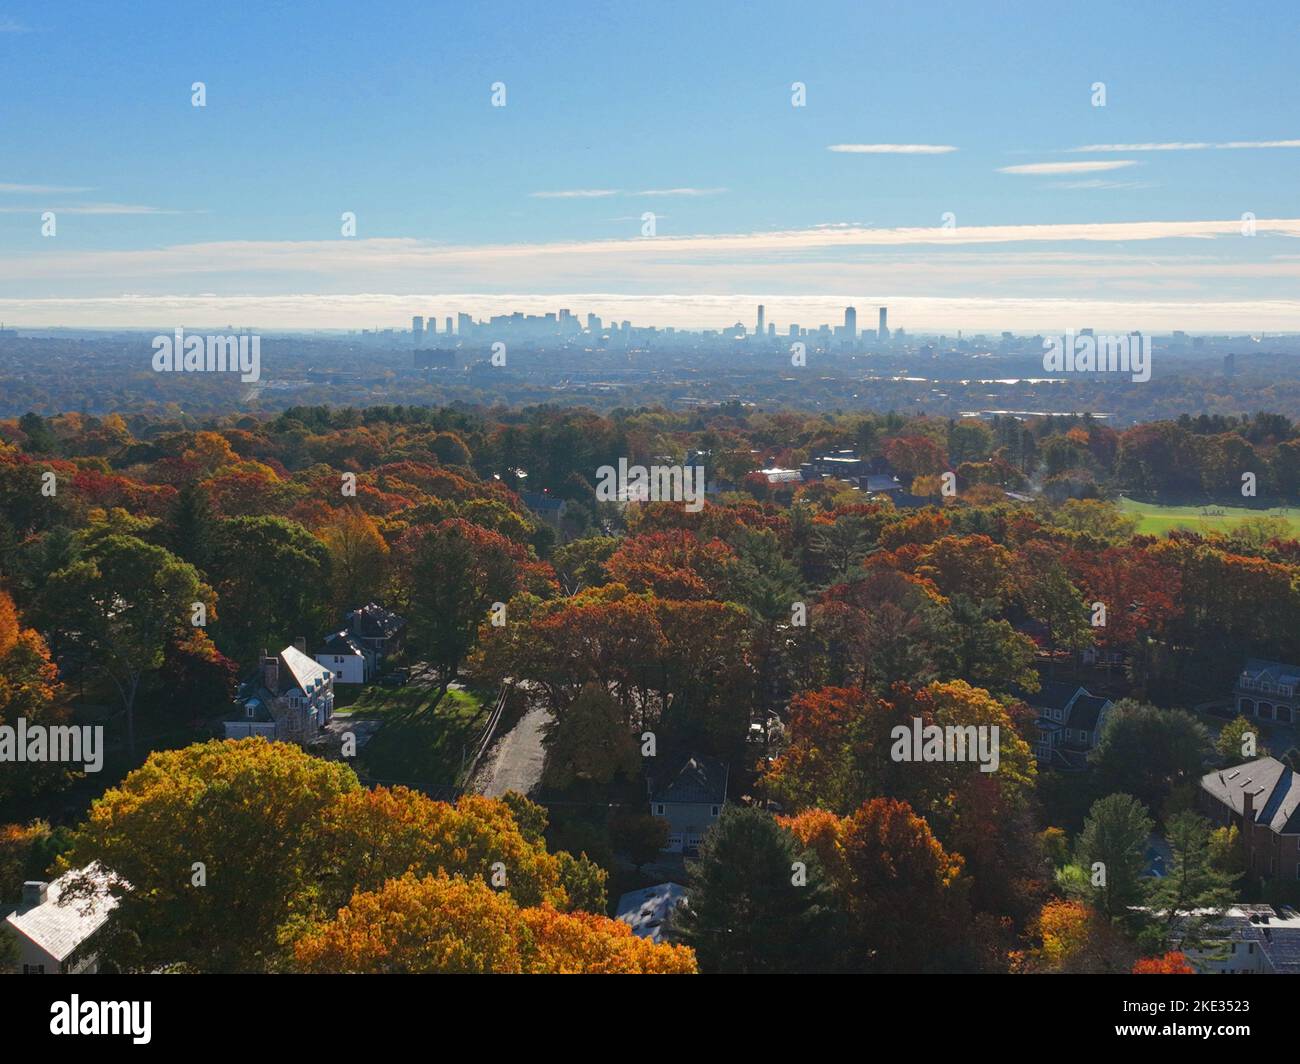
(249, 711)
(715, 810)
(659, 809)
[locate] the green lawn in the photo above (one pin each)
(423, 738)
(1156, 520)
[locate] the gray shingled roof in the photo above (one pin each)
(1274, 787)
(701, 781)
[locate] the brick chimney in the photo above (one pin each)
(271, 674)
(1248, 822)
(35, 892)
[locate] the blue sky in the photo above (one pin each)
(683, 110)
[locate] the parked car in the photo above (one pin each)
(396, 678)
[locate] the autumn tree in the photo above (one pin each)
(590, 746)
(445, 924)
(358, 557)
(213, 847)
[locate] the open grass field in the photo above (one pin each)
(1156, 520)
(423, 737)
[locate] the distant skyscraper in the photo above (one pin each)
(1229, 364)
(447, 325)
(593, 325)
(759, 330)
(851, 323)
(417, 330)
(883, 331)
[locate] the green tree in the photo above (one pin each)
(1232, 745)
(123, 602)
(1195, 891)
(1147, 751)
(1111, 850)
(745, 913)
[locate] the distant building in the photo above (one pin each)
(882, 332)
(56, 934)
(380, 631)
(758, 331)
(851, 323)
(691, 801)
(417, 330)
(547, 507)
(1229, 364)
(1268, 690)
(646, 911)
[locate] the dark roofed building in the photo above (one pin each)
(691, 800)
(1262, 799)
(1070, 721)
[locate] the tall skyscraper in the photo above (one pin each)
(759, 330)
(447, 327)
(883, 332)
(851, 322)
(417, 330)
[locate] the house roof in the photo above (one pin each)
(1278, 672)
(307, 673)
(881, 482)
(372, 621)
(645, 911)
(536, 500)
(700, 781)
(342, 643)
(1053, 694)
(59, 925)
(1274, 788)
(1086, 711)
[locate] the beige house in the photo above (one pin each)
(691, 802)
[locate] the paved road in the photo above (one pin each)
(514, 763)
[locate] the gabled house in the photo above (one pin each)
(1069, 724)
(1262, 799)
(1249, 940)
(289, 698)
(55, 934)
(549, 508)
(378, 631)
(691, 800)
(345, 657)
(1268, 690)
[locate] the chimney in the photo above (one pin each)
(35, 892)
(271, 674)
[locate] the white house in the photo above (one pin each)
(691, 802)
(344, 656)
(55, 932)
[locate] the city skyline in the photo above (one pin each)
(1057, 171)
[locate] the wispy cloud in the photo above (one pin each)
(1188, 145)
(1102, 183)
(892, 149)
(605, 193)
(576, 193)
(1091, 167)
(679, 192)
(91, 208)
(9, 25)
(41, 190)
